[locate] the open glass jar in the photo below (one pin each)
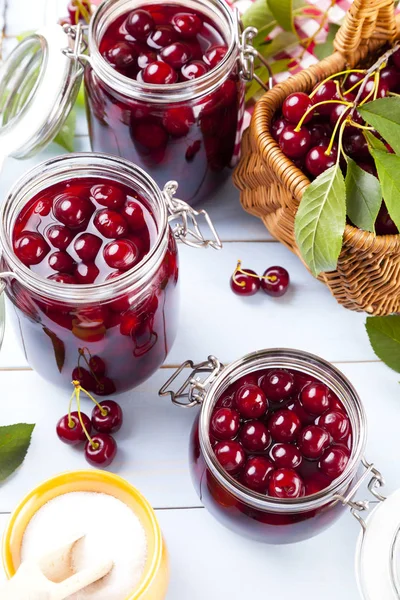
(110, 335)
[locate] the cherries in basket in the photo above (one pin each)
(281, 433)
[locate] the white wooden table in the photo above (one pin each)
(208, 561)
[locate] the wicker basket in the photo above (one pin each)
(367, 277)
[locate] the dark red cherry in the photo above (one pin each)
(69, 428)
(176, 55)
(139, 24)
(97, 365)
(214, 55)
(391, 77)
(230, 456)
(284, 426)
(336, 424)
(104, 386)
(285, 456)
(339, 111)
(193, 70)
(251, 402)
(356, 146)
(87, 246)
(285, 483)
(318, 161)
(86, 273)
(72, 211)
(315, 398)
(303, 415)
(334, 461)
(121, 254)
(316, 483)
(31, 248)
(133, 214)
(384, 224)
(108, 195)
(254, 436)
(256, 473)
(352, 79)
(59, 236)
(383, 89)
(325, 91)
(122, 55)
(245, 285)
(225, 423)
(178, 120)
(294, 144)
(313, 441)
(295, 106)
(278, 385)
(108, 418)
(160, 38)
(85, 378)
(277, 127)
(320, 133)
(159, 73)
(110, 223)
(188, 25)
(61, 261)
(275, 281)
(101, 450)
(149, 134)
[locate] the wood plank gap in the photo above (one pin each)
(162, 508)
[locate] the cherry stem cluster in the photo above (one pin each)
(77, 395)
(239, 270)
(84, 10)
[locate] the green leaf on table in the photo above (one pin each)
(14, 444)
(66, 135)
(388, 167)
(363, 196)
(320, 221)
(384, 115)
(384, 335)
(277, 66)
(282, 11)
(326, 48)
(373, 142)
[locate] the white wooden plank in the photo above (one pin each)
(24, 16)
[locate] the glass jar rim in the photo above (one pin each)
(59, 169)
(303, 362)
(177, 92)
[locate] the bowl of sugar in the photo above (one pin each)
(118, 523)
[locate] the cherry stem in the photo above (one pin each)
(83, 10)
(104, 412)
(347, 72)
(78, 405)
(240, 270)
(314, 106)
(71, 424)
(340, 143)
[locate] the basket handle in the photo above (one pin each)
(366, 21)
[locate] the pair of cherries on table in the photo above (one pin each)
(245, 282)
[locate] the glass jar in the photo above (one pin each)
(255, 515)
(71, 331)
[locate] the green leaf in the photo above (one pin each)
(321, 219)
(65, 137)
(14, 444)
(282, 11)
(384, 115)
(363, 196)
(374, 142)
(326, 48)
(388, 167)
(277, 66)
(258, 15)
(283, 41)
(80, 99)
(384, 335)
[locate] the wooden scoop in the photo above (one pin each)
(49, 578)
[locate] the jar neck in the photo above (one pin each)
(76, 166)
(309, 364)
(217, 10)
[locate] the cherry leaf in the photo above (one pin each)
(66, 135)
(374, 142)
(388, 167)
(321, 219)
(14, 444)
(363, 196)
(384, 115)
(282, 10)
(326, 48)
(384, 335)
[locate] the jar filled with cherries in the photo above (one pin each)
(90, 269)
(277, 449)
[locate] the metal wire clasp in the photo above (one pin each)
(374, 485)
(79, 46)
(248, 54)
(188, 229)
(193, 389)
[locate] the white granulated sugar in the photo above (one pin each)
(112, 529)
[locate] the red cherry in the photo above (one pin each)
(285, 483)
(139, 24)
(111, 421)
(59, 236)
(101, 450)
(285, 456)
(391, 77)
(160, 38)
(251, 402)
(275, 281)
(320, 133)
(72, 211)
(339, 111)
(121, 254)
(254, 436)
(31, 248)
(336, 424)
(304, 416)
(256, 473)
(396, 59)
(313, 441)
(352, 79)
(176, 55)
(214, 55)
(384, 224)
(70, 430)
(295, 106)
(356, 146)
(230, 456)
(121, 55)
(284, 426)
(277, 127)
(97, 365)
(187, 24)
(61, 261)
(87, 246)
(110, 223)
(134, 216)
(317, 161)
(85, 379)
(278, 385)
(326, 91)
(177, 121)
(245, 285)
(108, 195)
(334, 461)
(193, 70)
(382, 90)
(159, 73)
(315, 398)
(294, 144)
(316, 483)
(149, 134)
(225, 423)
(86, 273)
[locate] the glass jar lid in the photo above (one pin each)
(38, 87)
